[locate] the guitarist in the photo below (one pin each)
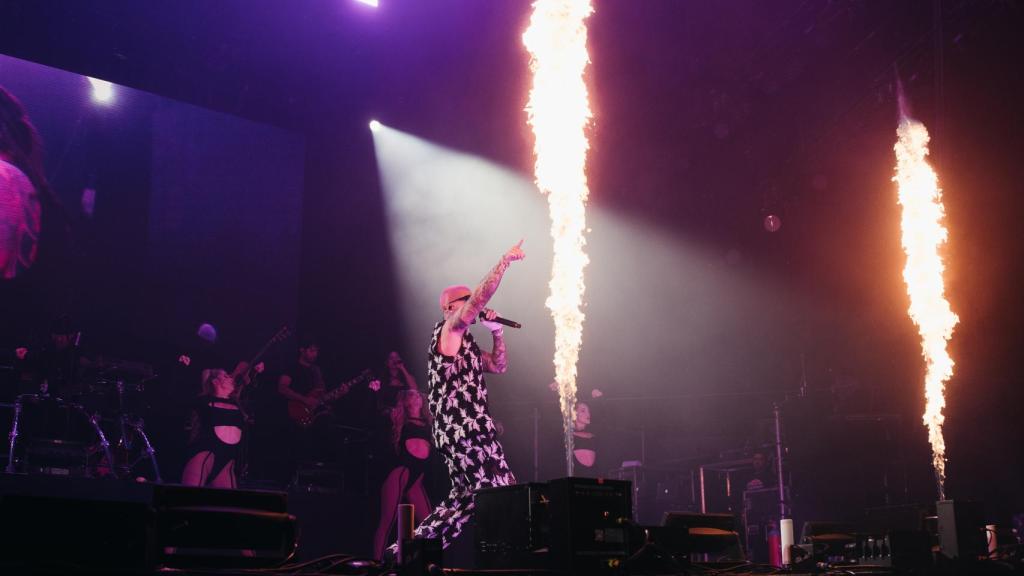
(303, 382)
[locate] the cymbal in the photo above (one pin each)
(124, 369)
(105, 384)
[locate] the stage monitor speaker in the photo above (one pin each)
(712, 537)
(724, 522)
(826, 541)
(512, 526)
(589, 524)
(824, 529)
(205, 527)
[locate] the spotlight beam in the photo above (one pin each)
(102, 91)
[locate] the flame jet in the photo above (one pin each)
(923, 237)
(559, 113)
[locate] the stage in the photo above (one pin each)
(75, 525)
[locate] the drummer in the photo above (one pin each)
(55, 367)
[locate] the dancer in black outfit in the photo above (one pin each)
(410, 440)
(584, 449)
(215, 431)
(463, 430)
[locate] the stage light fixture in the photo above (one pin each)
(374, 126)
(102, 91)
(373, 3)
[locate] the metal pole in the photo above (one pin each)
(13, 436)
(778, 459)
(94, 420)
(703, 502)
(568, 447)
(137, 426)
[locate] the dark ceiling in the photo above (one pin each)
(676, 84)
(287, 62)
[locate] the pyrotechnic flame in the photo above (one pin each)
(923, 236)
(559, 113)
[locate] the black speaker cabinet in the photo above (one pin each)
(512, 526)
(589, 524)
(710, 536)
(233, 528)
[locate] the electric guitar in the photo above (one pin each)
(304, 416)
(243, 372)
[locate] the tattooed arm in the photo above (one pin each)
(484, 290)
(496, 361)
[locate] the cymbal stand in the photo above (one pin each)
(94, 420)
(125, 442)
(125, 421)
(137, 425)
(13, 435)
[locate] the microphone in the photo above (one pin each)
(500, 320)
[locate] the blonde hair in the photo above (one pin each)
(399, 414)
(209, 375)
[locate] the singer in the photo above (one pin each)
(463, 431)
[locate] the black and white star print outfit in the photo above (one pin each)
(464, 435)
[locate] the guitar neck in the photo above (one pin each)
(345, 387)
(281, 335)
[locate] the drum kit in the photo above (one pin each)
(91, 428)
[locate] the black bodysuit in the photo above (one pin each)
(416, 466)
(205, 416)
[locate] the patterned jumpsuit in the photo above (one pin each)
(464, 435)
